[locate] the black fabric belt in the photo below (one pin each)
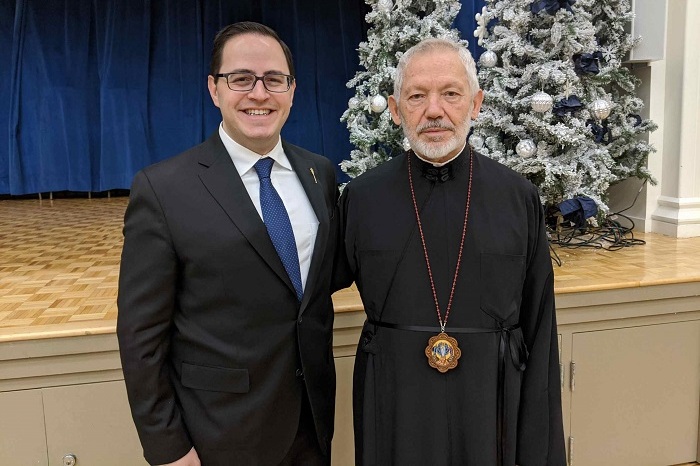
(421, 328)
(510, 337)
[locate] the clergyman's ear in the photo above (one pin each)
(476, 104)
(394, 109)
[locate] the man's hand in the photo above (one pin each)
(190, 459)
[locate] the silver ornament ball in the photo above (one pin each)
(385, 6)
(406, 144)
(526, 148)
(601, 108)
(353, 103)
(541, 102)
(476, 141)
(377, 104)
(488, 59)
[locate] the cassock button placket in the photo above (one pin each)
(435, 174)
(278, 225)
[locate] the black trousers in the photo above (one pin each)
(305, 450)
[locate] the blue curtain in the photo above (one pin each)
(466, 24)
(92, 91)
(7, 13)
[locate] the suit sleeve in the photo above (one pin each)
(146, 303)
(540, 429)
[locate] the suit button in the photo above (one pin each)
(299, 373)
(300, 320)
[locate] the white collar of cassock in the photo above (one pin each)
(441, 164)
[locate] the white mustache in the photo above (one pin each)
(434, 124)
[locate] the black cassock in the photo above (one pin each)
(502, 404)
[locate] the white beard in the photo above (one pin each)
(434, 150)
(437, 150)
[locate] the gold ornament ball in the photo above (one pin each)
(601, 108)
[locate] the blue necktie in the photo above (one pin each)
(278, 225)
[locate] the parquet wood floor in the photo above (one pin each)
(59, 261)
(661, 260)
(59, 266)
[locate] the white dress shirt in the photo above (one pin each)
(289, 188)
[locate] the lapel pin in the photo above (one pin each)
(314, 175)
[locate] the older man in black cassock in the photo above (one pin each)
(458, 361)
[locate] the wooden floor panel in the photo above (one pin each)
(59, 261)
(661, 260)
(59, 266)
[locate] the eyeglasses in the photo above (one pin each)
(273, 82)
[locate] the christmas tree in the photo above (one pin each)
(559, 105)
(395, 27)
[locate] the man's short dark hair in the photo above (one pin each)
(237, 29)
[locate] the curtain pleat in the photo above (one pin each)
(8, 89)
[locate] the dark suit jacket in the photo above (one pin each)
(214, 345)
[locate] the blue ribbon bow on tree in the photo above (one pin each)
(587, 63)
(577, 210)
(600, 132)
(637, 119)
(551, 6)
(570, 104)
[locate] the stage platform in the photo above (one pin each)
(59, 267)
(629, 337)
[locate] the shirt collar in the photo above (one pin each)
(441, 164)
(244, 158)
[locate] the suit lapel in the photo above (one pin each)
(313, 184)
(224, 183)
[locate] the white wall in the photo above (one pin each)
(671, 91)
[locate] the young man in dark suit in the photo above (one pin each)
(225, 314)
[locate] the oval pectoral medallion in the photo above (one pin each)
(442, 352)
